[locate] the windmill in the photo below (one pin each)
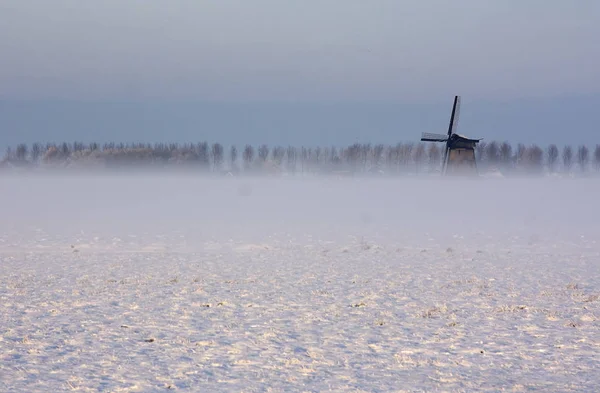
(459, 155)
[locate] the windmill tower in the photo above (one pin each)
(459, 155)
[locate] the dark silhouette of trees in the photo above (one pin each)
(378, 155)
(434, 156)
(505, 154)
(567, 158)
(534, 158)
(480, 151)
(357, 158)
(218, 156)
(419, 156)
(203, 155)
(233, 156)
(263, 152)
(552, 154)
(291, 158)
(492, 153)
(583, 156)
(21, 152)
(278, 154)
(248, 156)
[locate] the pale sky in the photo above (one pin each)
(273, 51)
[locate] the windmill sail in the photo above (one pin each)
(429, 137)
(454, 117)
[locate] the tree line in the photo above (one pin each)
(408, 157)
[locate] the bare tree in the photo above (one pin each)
(567, 156)
(521, 156)
(583, 156)
(505, 154)
(419, 156)
(278, 155)
(36, 152)
(218, 156)
(597, 157)
(8, 154)
(203, 154)
(433, 154)
(315, 157)
(392, 158)
(365, 149)
(291, 158)
(480, 151)
(552, 154)
(248, 156)
(535, 158)
(65, 150)
(263, 152)
(21, 152)
(492, 153)
(378, 154)
(406, 153)
(233, 155)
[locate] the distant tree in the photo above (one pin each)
(248, 156)
(36, 152)
(492, 152)
(218, 156)
(291, 158)
(583, 156)
(406, 153)
(480, 151)
(597, 157)
(392, 158)
(419, 156)
(315, 157)
(552, 154)
(433, 155)
(203, 154)
(378, 155)
(278, 155)
(65, 150)
(303, 158)
(334, 156)
(263, 153)
(352, 156)
(21, 152)
(521, 156)
(78, 146)
(8, 154)
(535, 158)
(365, 149)
(505, 154)
(567, 156)
(233, 155)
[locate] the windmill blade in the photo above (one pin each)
(429, 137)
(454, 117)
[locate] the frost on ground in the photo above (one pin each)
(346, 285)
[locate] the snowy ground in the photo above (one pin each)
(152, 284)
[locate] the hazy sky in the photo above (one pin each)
(273, 51)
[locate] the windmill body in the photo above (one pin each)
(459, 154)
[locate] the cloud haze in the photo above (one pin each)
(269, 50)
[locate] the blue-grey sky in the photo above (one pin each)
(300, 72)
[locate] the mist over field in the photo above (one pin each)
(221, 209)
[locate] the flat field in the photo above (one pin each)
(156, 283)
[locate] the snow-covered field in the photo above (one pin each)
(182, 283)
